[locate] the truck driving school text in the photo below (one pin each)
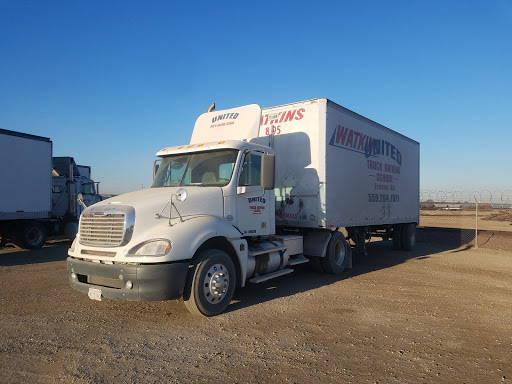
(385, 174)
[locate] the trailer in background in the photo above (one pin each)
(39, 192)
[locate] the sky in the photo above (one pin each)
(113, 82)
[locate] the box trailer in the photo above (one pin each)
(335, 168)
(35, 199)
(26, 175)
(255, 193)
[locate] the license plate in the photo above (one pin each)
(95, 294)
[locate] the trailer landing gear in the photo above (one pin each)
(358, 235)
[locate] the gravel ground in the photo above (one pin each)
(440, 314)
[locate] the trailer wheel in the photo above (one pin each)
(32, 235)
(408, 236)
(397, 236)
(335, 260)
(211, 285)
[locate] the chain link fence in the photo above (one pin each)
(479, 218)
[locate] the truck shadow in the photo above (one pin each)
(54, 250)
(380, 256)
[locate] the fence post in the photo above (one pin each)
(476, 223)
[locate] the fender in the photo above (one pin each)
(315, 243)
(187, 236)
(194, 231)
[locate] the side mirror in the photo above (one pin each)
(80, 200)
(267, 171)
(156, 165)
(181, 195)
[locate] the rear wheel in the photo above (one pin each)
(408, 236)
(32, 235)
(337, 254)
(212, 284)
(397, 236)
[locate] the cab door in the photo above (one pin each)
(255, 206)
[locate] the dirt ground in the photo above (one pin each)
(490, 220)
(439, 314)
(494, 226)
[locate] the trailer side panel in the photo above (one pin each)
(26, 176)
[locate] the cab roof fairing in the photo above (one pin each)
(211, 146)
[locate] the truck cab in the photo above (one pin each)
(68, 181)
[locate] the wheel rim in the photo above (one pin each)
(216, 283)
(339, 253)
(34, 236)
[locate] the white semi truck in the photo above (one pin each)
(253, 194)
(38, 194)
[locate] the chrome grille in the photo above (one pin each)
(109, 227)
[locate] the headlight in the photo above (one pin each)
(151, 248)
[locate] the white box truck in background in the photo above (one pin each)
(39, 192)
(253, 194)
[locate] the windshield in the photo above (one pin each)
(204, 169)
(87, 189)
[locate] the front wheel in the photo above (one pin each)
(212, 284)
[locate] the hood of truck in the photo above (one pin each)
(149, 202)
(149, 215)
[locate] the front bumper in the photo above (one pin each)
(149, 282)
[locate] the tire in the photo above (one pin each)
(32, 235)
(335, 260)
(348, 255)
(71, 229)
(397, 236)
(408, 236)
(212, 284)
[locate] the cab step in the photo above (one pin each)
(262, 278)
(300, 259)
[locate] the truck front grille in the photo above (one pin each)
(109, 227)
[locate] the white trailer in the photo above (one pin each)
(253, 194)
(34, 199)
(26, 176)
(335, 168)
